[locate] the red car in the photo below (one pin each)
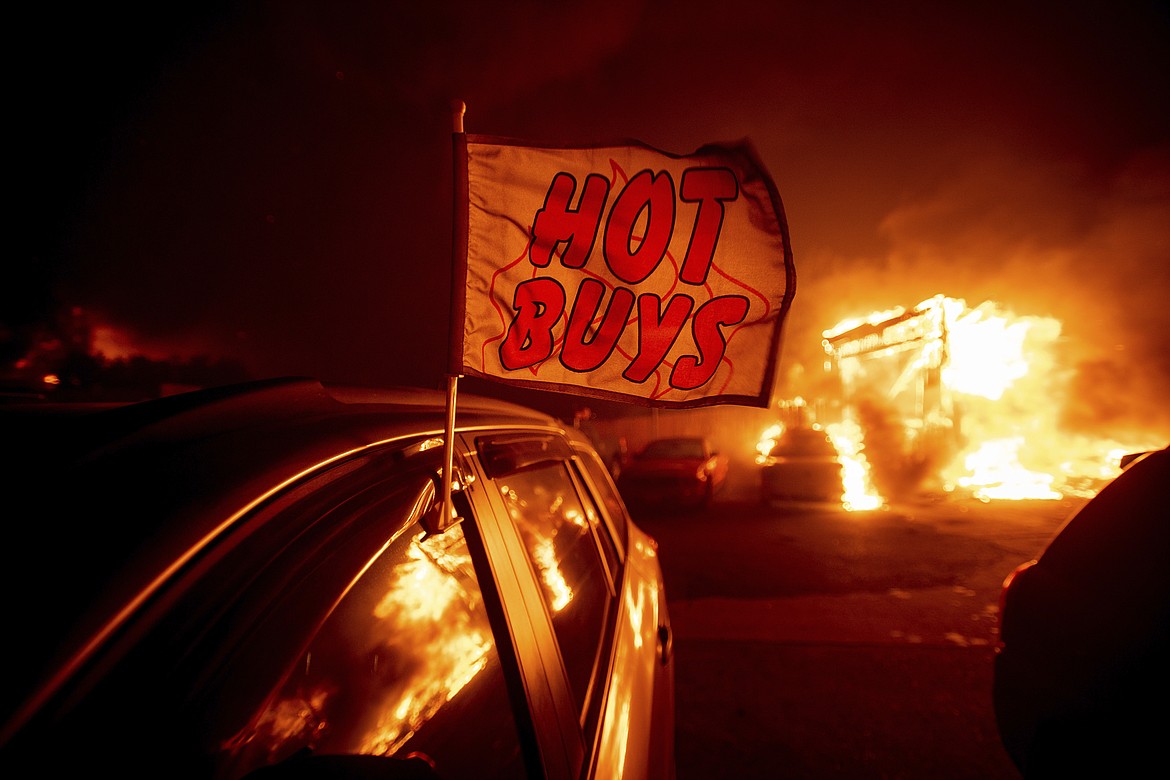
(681, 470)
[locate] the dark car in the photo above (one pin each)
(262, 581)
(1083, 653)
(802, 465)
(674, 471)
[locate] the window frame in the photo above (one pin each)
(550, 691)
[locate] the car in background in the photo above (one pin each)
(674, 471)
(1082, 657)
(801, 465)
(265, 581)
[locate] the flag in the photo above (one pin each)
(620, 271)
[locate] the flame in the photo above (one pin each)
(767, 441)
(979, 389)
(986, 350)
(859, 493)
(994, 471)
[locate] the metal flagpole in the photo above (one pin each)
(449, 517)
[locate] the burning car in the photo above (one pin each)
(802, 464)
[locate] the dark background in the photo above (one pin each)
(269, 183)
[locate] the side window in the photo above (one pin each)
(609, 497)
(405, 663)
(560, 529)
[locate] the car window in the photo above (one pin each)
(405, 663)
(560, 529)
(608, 495)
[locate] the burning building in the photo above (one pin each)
(888, 369)
(946, 397)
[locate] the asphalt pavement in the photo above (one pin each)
(815, 643)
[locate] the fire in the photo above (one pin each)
(859, 493)
(995, 471)
(987, 350)
(767, 441)
(857, 490)
(973, 394)
(431, 633)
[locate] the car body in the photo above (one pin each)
(1083, 649)
(802, 465)
(262, 581)
(674, 471)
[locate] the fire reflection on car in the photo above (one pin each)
(432, 638)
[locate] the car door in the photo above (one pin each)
(567, 537)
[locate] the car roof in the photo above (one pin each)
(79, 427)
(262, 428)
(269, 420)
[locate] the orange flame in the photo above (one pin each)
(994, 380)
(857, 490)
(860, 493)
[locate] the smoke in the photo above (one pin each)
(272, 180)
(1087, 247)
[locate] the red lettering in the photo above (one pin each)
(690, 371)
(539, 304)
(580, 353)
(654, 194)
(557, 224)
(708, 187)
(639, 229)
(656, 334)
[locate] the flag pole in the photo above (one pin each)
(458, 108)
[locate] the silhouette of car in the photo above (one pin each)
(262, 581)
(1080, 671)
(802, 465)
(674, 471)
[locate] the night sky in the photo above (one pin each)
(271, 181)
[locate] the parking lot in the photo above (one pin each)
(816, 643)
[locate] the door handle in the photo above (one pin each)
(665, 644)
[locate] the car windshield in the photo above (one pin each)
(675, 448)
(804, 443)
